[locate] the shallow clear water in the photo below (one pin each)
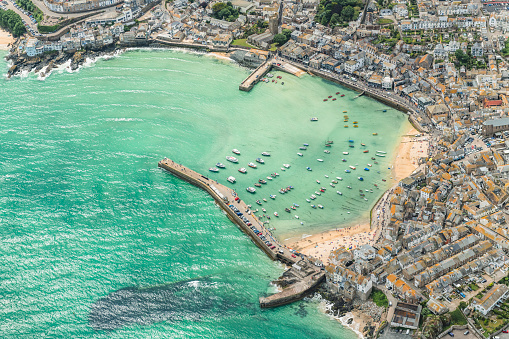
(99, 242)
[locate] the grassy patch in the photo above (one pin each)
(385, 21)
(473, 286)
(47, 29)
(379, 298)
(241, 42)
(457, 317)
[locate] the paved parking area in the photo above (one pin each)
(459, 334)
(390, 333)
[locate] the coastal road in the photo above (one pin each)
(26, 18)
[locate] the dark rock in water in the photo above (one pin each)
(184, 300)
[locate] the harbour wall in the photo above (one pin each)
(293, 293)
(224, 206)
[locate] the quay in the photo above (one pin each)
(263, 69)
(305, 276)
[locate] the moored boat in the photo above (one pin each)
(360, 178)
(300, 154)
(347, 171)
(309, 168)
(213, 169)
(242, 170)
(251, 189)
(345, 153)
(303, 148)
(232, 159)
(286, 165)
(365, 151)
(352, 167)
(380, 155)
(236, 151)
(252, 165)
(270, 178)
(287, 210)
(220, 165)
(275, 213)
(381, 152)
(342, 95)
(320, 160)
(339, 178)
(272, 196)
(375, 133)
(326, 151)
(350, 187)
(343, 160)
(320, 206)
(260, 160)
(258, 185)
(266, 154)
(314, 119)
(339, 193)
(231, 179)
(366, 169)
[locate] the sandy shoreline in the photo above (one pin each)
(5, 39)
(319, 245)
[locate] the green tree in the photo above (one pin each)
(347, 13)
(218, 6)
(335, 19)
(287, 33)
(280, 39)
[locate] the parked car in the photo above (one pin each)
(451, 334)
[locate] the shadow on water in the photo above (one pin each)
(179, 301)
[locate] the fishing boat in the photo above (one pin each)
(365, 151)
(258, 202)
(264, 199)
(339, 193)
(287, 210)
(264, 210)
(242, 170)
(305, 145)
(260, 160)
(266, 154)
(318, 193)
(297, 217)
(232, 159)
(332, 185)
(293, 208)
(277, 215)
(295, 204)
(343, 160)
(272, 196)
(309, 168)
(320, 160)
(345, 153)
(375, 133)
(334, 181)
(369, 165)
(360, 178)
(270, 178)
(261, 181)
(363, 144)
(300, 154)
(258, 185)
(339, 178)
(313, 197)
(317, 181)
(334, 99)
(213, 169)
(347, 171)
(330, 96)
(276, 174)
(313, 206)
(352, 167)
(325, 99)
(308, 200)
(251, 189)
(320, 206)
(273, 175)
(220, 165)
(286, 165)
(380, 155)
(314, 119)
(252, 165)
(337, 93)
(366, 169)
(342, 95)
(326, 151)
(350, 187)
(236, 151)
(303, 148)
(231, 179)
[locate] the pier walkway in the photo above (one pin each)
(304, 275)
(264, 68)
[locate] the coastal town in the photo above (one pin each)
(434, 258)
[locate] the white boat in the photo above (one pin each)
(381, 152)
(345, 153)
(283, 169)
(270, 178)
(272, 196)
(242, 170)
(314, 119)
(326, 151)
(318, 181)
(300, 154)
(266, 154)
(264, 210)
(275, 213)
(232, 159)
(339, 178)
(308, 200)
(236, 151)
(338, 192)
(213, 169)
(320, 206)
(312, 197)
(352, 167)
(380, 155)
(251, 189)
(296, 217)
(220, 165)
(286, 165)
(252, 165)
(326, 176)
(350, 187)
(318, 193)
(370, 165)
(231, 179)
(260, 160)
(332, 184)
(320, 160)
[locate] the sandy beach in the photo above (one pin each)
(360, 321)
(5, 39)
(320, 245)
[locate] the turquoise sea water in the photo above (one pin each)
(99, 242)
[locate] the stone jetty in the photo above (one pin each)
(264, 68)
(301, 278)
